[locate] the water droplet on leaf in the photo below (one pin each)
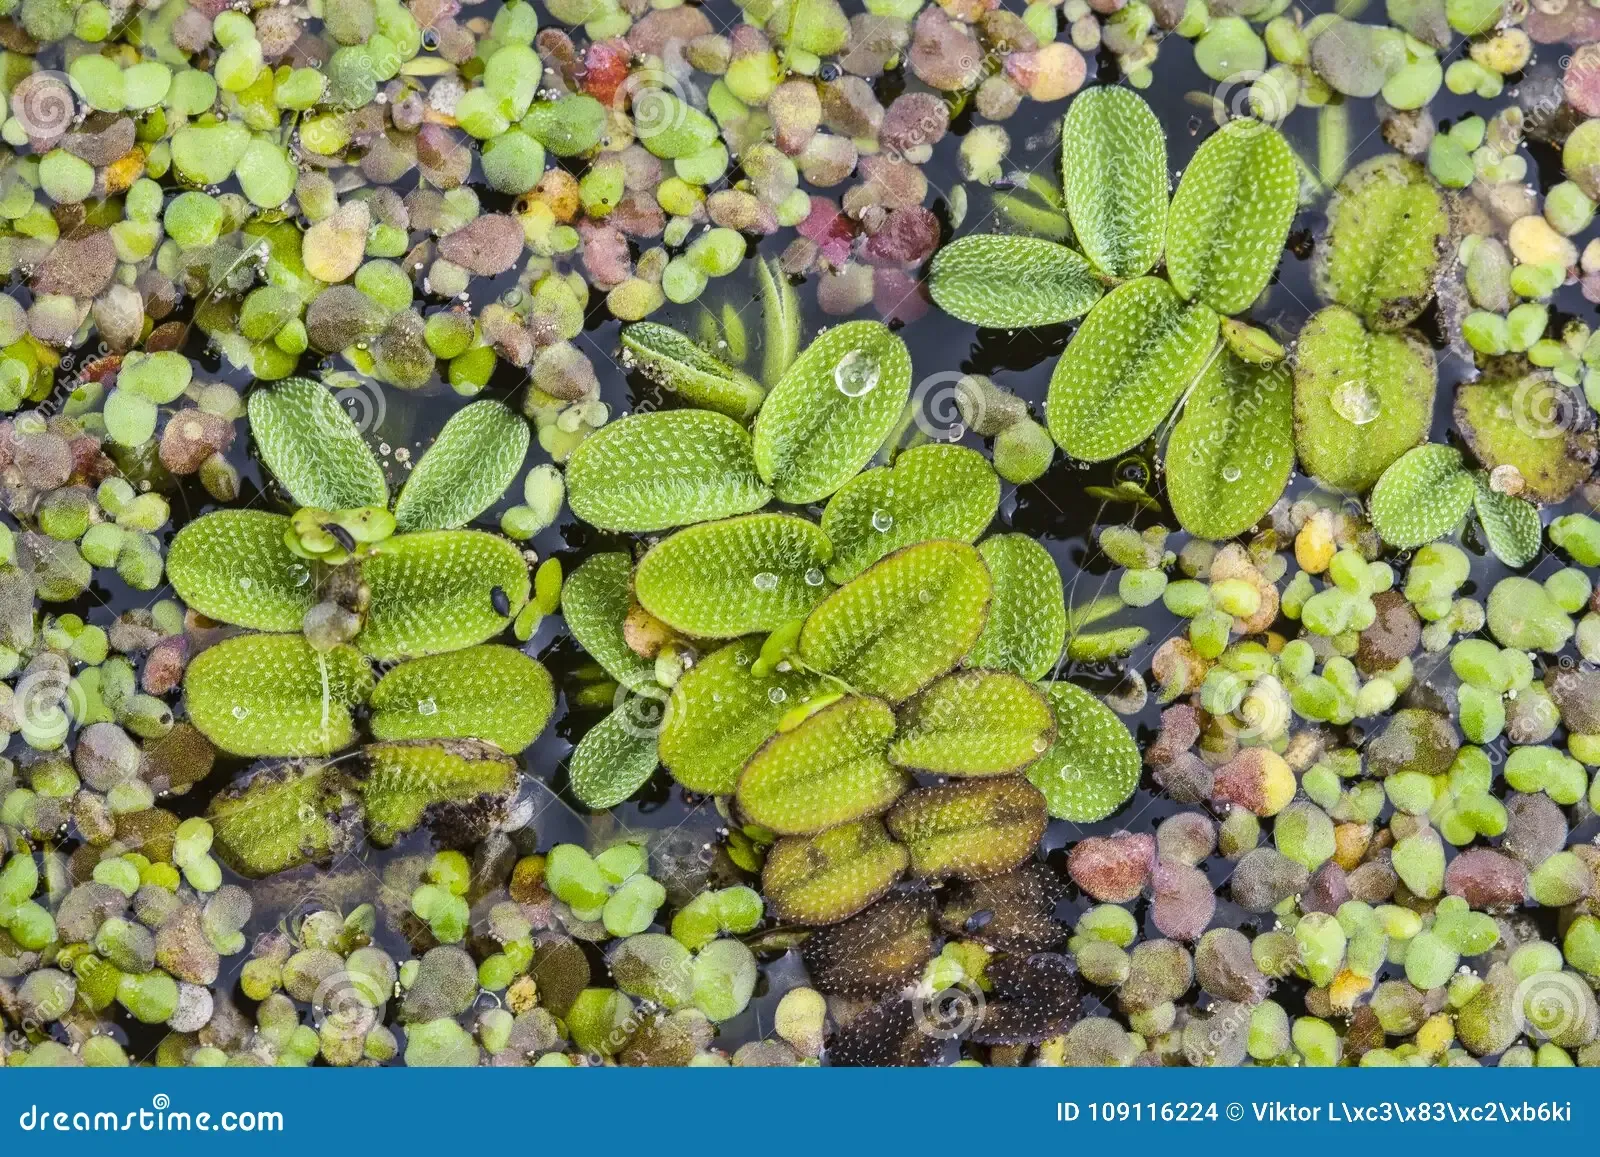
(1356, 402)
(856, 374)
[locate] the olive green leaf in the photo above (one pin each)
(282, 817)
(677, 364)
(275, 695)
(780, 321)
(933, 491)
(1027, 624)
(435, 591)
(1360, 399)
(1093, 766)
(970, 830)
(456, 779)
(612, 761)
(828, 769)
(466, 470)
(723, 579)
(974, 723)
(1423, 496)
(313, 448)
(1231, 215)
(1511, 524)
(1114, 177)
(902, 622)
(831, 410)
(1131, 359)
(233, 566)
(1231, 453)
(1534, 425)
(829, 877)
(1009, 282)
(670, 468)
(1387, 231)
(720, 712)
(595, 602)
(487, 692)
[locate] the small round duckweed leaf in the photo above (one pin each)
(274, 695)
(677, 364)
(1093, 766)
(493, 693)
(1027, 624)
(1531, 424)
(1231, 453)
(1361, 399)
(1423, 496)
(282, 817)
(720, 713)
(458, 779)
(612, 761)
(902, 622)
(466, 470)
(828, 769)
(594, 603)
(1231, 215)
(313, 448)
(1007, 282)
(1510, 524)
(722, 579)
(970, 830)
(654, 471)
(974, 723)
(831, 410)
(434, 591)
(233, 566)
(1114, 178)
(829, 877)
(1387, 232)
(934, 491)
(1131, 359)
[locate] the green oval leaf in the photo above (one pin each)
(1510, 524)
(677, 364)
(1027, 624)
(466, 470)
(313, 448)
(934, 491)
(780, 321)
(831, 410)
(274, 695)
(595, 602)
(828, 769)
(233, 566)
(719, 580)
(971, 830)
(1360, 399)
(1093, 766)
(488, 692)
(434, 591)
(670, 468)
(720, 713)
(974, 723)
(1231, 216)
(1530, 423)
(903, 622)
(1114, 179)
(282, 817)
(1011, 282)
(1231, 453)
(829, 877)
(1423, 496)
(455, 779)
(1131, 359)
(612, 761)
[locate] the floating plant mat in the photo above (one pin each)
(726, 533)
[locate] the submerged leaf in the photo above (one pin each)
(488, 692)
(233, 566)
(1009, 282)
(829, 877)
(594, 603)
(469, 466)
(612, 761)
(1131, 359)
(670, 468)
(1114, 177)
(282, 817)
(274, 695)
(780, 321)
(679, 366)
(1093, 766)
(434, 591)
(974, 723)
(1510, 524)
(1027, 624)
(722, 579)
(1423, 496)
(1539, 427)
(1231, 453)
(831, 411)
(462, 780)
(313, 448)
(1231, 215)
(970, 830)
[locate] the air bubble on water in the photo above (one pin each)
(882, 521)
(814, 577)
(1356, 402)
(427, 707)
(1231, 473)
(777, 695)
(856, 374)
(765, 580)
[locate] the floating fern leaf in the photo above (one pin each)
(829, 769)
(1423, 496)
(435, 591)
(612, 761)
(594, 603)
(1011, 282)
(678, 365)
(469, 466)
(1114, 177)
(259, 695)
(1027, 624)
(492, 693)
(233, 566)
(1509, 523)
(313, 448)
(1093, 766)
